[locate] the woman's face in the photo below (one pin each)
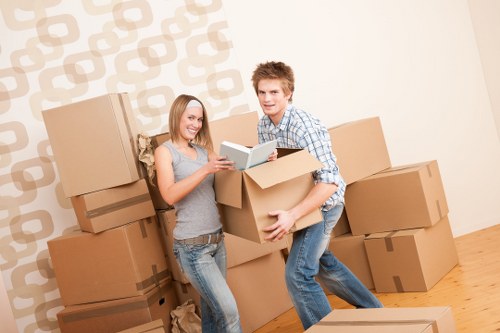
(191, 122)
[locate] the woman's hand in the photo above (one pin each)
(219, 163)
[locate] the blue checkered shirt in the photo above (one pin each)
(299, 129)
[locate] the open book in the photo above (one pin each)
(245, 157)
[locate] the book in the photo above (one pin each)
(246, 157)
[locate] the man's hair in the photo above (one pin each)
(178, 107)
(275, 70)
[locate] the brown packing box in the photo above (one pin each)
(388, 320)
(94, 143)
(156, 326)
(410, 196)
(239, 250)
(360, 148)
(121, 314)
(259, 289)
(350, 250)
(411, 260)
(122, 262)
(113, 207)
(240, 128)
(248, 196)
(185, 292)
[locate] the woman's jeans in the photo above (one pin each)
(205, 267)
(310, 257)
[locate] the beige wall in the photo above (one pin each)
(485, 16)
(415, 64)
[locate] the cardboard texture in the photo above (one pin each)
(113, 207)
(350, 250)
(240, 128)
(185, 292)
(94, 143)
(410, 196)
(388, 320)
(239, 250)
(122, 314)
(411, 260)
(247, 196)
(122, 262)
(360, 148)
(156, 326)
(259, 289)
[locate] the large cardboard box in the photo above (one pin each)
(411, 260)
(404, 197)
(155, 326)
(113, 207)
(260, 290)
(122, 262)
(388, 320)
(94, 143)
(248, 196)
(239, 250)
(360, 148)
(350, 250)
(121, 314)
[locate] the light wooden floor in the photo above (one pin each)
(472, 289)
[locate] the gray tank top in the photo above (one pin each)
(197, 213)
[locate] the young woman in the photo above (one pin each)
(185, 168)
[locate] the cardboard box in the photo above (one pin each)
(121, 314)
(410, 196)
(360, 148)
(156, 326)
(185, 292)
(342, 227)
(113, 207)
(260, 290)
(94, 143)
(122, 262)
(388, 320)
(239, 250)
(247, 196)
(411, 260)
(239, 128)
(350, 250)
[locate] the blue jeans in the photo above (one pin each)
(309, 257)
(205, 267)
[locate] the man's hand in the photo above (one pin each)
(281, 227)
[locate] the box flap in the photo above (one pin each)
(283, 169)
(228, 188)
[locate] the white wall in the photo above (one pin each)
(413, 63)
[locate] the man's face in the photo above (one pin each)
(272, 99)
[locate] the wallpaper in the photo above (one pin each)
(55, 52)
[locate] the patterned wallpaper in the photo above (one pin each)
(55, 52)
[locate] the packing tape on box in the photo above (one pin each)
(394, 322)
(389, 246)
(154, 279)
(106, 209)
(398, 283)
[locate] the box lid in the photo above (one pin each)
(229, 184)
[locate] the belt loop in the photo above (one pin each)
(209, 238)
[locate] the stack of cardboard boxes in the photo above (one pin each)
(112, 273)
(397, 216)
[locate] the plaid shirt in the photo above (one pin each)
(299, 129)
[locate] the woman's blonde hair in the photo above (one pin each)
(178, 107)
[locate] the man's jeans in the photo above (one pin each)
(205, 267)
(309, 256)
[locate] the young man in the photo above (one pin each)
(309, 256)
